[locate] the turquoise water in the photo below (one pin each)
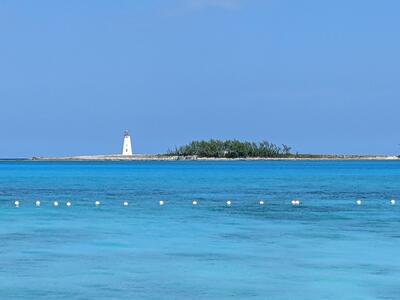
(328, 248)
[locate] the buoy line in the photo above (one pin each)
(228, 203)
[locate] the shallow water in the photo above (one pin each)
(328, 248)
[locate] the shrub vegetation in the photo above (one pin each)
(231, 149)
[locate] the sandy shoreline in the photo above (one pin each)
(192, 158)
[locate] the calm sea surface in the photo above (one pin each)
(328, 248)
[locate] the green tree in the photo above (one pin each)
(231, 149)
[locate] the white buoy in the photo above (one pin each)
(261, 202)
(55, 203)
(295, 202)
(37, 203)
(194, 202)
(97, 203)
(69, 204)
(16, 203)
(229, 202)
(161, 202)
(393, 202)
(358, 202)
(126, 203)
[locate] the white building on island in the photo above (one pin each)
(127, 147)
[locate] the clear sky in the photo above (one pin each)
(320, 76)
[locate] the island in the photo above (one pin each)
(206, 150)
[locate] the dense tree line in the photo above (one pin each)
(231, 149)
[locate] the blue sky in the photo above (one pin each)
(320, 76)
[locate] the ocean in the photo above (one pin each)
(326, 248)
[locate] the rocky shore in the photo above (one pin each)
(195, 158)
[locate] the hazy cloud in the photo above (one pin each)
(187, 6)
(225, 4)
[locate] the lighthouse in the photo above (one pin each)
(127, 147)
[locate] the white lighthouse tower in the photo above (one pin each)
(127, 148)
